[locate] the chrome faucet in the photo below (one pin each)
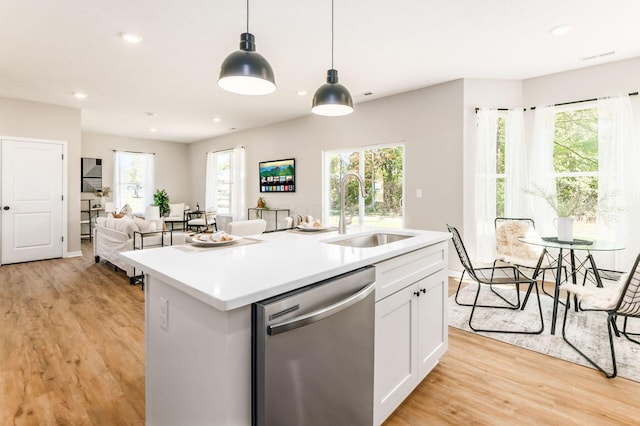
(342, 226)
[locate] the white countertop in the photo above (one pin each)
(232, 276)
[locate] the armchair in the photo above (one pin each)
(620, 301)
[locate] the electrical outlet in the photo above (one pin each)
(164, 313)
(418, 193)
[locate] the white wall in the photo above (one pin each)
(428, 121)
(171, 162)
(36, 120)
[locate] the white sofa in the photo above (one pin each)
(112, 236)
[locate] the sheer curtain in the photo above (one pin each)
(515, 202)
(485, 185)
(542, 173)
(211, 183)
(619, 198)
(238, 184)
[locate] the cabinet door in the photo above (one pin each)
(395, 374)
(432, 321)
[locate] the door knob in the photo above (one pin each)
(5, 208)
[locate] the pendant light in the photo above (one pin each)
(245, 71)
(332, 98)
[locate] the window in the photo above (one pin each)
(219, 182)
(575, 160)
(133, 180)
(224, 186)
(382, 169)
(575, 163)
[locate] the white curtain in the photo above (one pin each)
(238, 184)
(619, 198)
(133, 180)
(515, 203)
(210, 185)
(541, 171)
(485, 185)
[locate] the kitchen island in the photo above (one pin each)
(198, 315)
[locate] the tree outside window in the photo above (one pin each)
(382, 169)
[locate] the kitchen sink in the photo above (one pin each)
(370, 240)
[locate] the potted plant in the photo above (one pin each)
(161, 199)
(262, 203)
(576, 200)
(102, 193)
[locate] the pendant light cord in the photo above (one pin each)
(331, 34)
(247, 15)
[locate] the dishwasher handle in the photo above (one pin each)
(325, 312)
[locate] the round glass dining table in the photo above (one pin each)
(567, 250)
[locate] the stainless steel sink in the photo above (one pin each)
(370, 240)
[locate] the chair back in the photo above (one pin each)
(241, 228)
(462, 251)
(629, 303)
(508, 247)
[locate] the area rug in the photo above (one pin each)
(587, 330)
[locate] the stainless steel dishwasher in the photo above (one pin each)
(312, 361)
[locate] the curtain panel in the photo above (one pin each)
(618, 195)
(485, 185)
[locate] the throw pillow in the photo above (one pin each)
(144, 225)
(126, 210)
(176, 210)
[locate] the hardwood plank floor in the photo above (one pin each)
(72, 352)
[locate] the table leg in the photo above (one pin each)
(596, 274)
(556, 293)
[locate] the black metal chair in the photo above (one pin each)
(495, 276)
(626, 305)
(543, 262)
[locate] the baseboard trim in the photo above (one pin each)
(74, 254)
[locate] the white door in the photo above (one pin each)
(32, 178)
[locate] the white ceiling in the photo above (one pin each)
(52, 48)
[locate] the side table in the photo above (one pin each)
(259, 212)
(141, 236)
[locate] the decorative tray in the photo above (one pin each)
(575, 241)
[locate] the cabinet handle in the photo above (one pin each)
(424, 290)
(417, 293)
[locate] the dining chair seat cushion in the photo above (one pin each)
(197, 222)
(599, 298)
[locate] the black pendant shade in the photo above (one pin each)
(245, 71)
(332, 98)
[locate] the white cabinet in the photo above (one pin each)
(411, 328)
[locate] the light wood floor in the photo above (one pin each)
(72, 352)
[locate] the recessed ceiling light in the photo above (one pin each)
(80, 95)
(559, 30)
(131, 38)
(301, 92)
(150, 114)
(153, 129)
(217, 119)
(368, 93)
